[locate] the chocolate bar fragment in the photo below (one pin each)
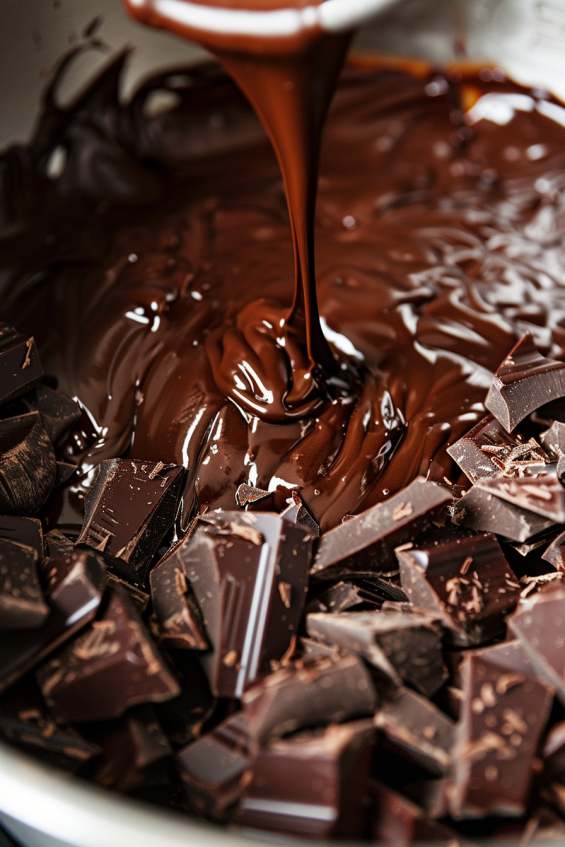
(22, 605)
(110, 667)
(542, 493)
(175, 607)
(395, 820)
(555, 553)
(509, 655)
(24, 445)
(130, 508)
(553, 439)
(298, 513)
(419, 729)
(249, 574)
(405, 647)
(311, 785)
(481, 452)
(73, 587)
(139, 597)
(502, 718)
(482, 511)
(524, 381)
(58, 412)
(538, 624)
(26, 531)
(26, 721)
(131, 749)
(58, 545)
(365, 543)
(20, 368)
(466, 582)
(249, 494)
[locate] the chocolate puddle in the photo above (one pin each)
(435, 249)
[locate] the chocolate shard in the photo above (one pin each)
(365, 543)
(312, 785)
(249, 573)
(110, 667)
(130, 507)
(58, 545)
(524, 381)
(538, 624)
(175, 607)
(404, 647)
(323, 689)
(481, 452)
(24, 445)
(247, 494)
(27, 531)
(58, 412)
(542, 494)
(63, 472)
(509, 655)
(396, 820)
(466, 582)
(482, 511)
(555, 553)
(22, 605)
(139, 597)
(303, 516)
(20, 368)
(131, 749)
(502, 718)
(418, 729)
(73, 587)
(26, 721)
(553, 439)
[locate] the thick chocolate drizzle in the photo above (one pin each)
(436, 248)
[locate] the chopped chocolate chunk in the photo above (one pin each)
(404, 647)
(555, 553)
(481, 452)
(22, 605)
(73, 588)
(25, 720)
(538, 623)
(247, 494)
(20, 368)
(58, 545)
(108, 668)
(58, 412)
(419, 729)
(235, 563)
(298, 513)
(524, 381)
(175, 607)
(553, 439)
(395, 820)
(24, 445)
(481, 510)
(63, 472)
(502, 718)
(339, 597)
(509, 655)
(324, 689)
(311, 785)
(542, 493)
(131, 749)
(139, 597)
(130, 507)
(25, 531)
(365, 544)
(466, 582)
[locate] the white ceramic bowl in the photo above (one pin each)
(43, 808)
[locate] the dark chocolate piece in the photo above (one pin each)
(341, 596)
(365, 543)
(466, 582)
(58, 412)
(139, 597)
(183, 717)
(481, 452)
(110, 667)
(130, 507)
(63, 472)
(73, 588)
(131, 749)
(22, 605)
(555, 553)
(312, 785)
(480, 510)
(542, 493)
(502, 718)
(20, 368)
(553, 439)
(175, 607)
(395, 820)
(249, 573)
(404, 647)
(509, 655)
(524, 381)
(247, 494)
(538, 623)
(419, 729)
(25, 531)
(298, 513)
(58, 545)
(24, 445)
